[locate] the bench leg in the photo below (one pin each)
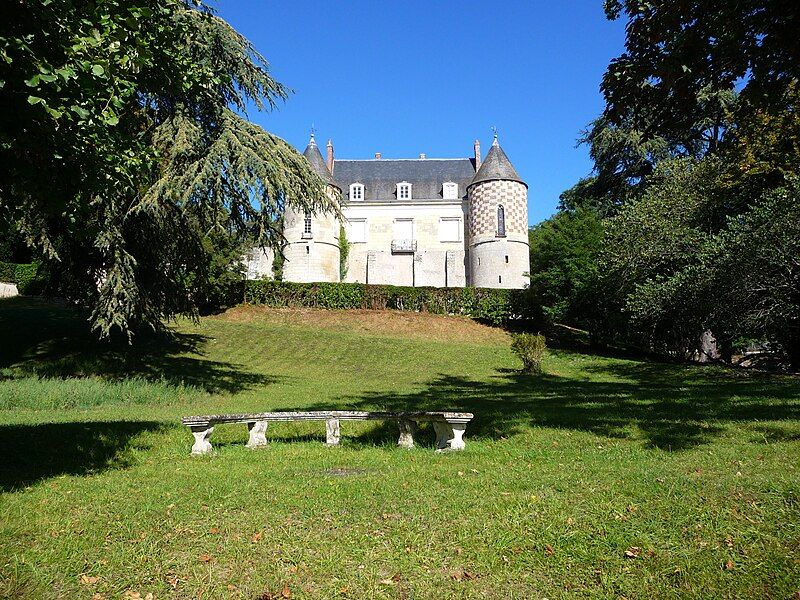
(201, 434)
(333, 435)
(407, 430)
(258, 434)
(449, 436)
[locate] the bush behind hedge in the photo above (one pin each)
(29, 277)
(493, 306)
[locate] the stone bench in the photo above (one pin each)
(449, 426)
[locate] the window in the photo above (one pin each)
(499, 279)
(450, 191)
(357, 191)
(501, 221)
(357, 231)
(307, 224)
(404, 191)
(450, 229)
(506, 258)
(403, 229)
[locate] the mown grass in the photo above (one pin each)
(697, 468)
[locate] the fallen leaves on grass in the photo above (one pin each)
(286, 592)
(393, 580)
(256, 537)
(548, 549)
(214, 530)
(132, 595)
(633, 552)
(205, 558)
(89, 579)
(728, 566)
(462, 575)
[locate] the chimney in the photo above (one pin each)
(330, 156)
(422, 156)
(477, 154)
(377, 156)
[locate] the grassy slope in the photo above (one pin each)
(698, 467)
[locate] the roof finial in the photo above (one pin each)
(495, 142)
(312, 140)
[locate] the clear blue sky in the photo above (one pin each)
(409, 77)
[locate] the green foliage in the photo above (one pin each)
(132, 108)
(8, 272)
(30, 278)
(564, 252)
(530, 348)
(495, 307)
(344, 252)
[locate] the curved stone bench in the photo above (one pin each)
(449, 426)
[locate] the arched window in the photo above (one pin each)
(501, 221)
(307, 223)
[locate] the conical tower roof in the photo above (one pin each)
(314, 158)
(496, 166)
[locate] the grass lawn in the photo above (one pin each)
(604, 478)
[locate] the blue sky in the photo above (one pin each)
(402, 78)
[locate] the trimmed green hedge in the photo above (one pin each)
(492, 306)
(29, 277)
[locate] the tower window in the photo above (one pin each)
(357, 191)
(506, 258)
(501, 221)
(450, 191)
(404, 191)
(307, 223)
(308, 249)
(499, 279)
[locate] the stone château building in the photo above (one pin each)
(416, 222)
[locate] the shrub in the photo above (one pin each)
(8, 272)
(496, 307)
(530, 348)
(30, 278)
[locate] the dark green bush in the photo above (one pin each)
(530, 348)
(30, 279)
(495, 307)
(8, 272)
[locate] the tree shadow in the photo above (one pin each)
(34, 452)
(671, 407)
(47, 340)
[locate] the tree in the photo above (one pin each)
(564, 251)
(120, 127)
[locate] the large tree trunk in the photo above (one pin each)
(708, 350)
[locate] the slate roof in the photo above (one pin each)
(426, 176)
(496, 166)
(318, 164)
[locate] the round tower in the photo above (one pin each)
(498, 224)
(312, 240)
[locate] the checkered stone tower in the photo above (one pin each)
(498, 224)
(312, 249)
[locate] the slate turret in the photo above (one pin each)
(312, 240)
(498, 253)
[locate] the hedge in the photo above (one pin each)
(29, 277)
(493, 306)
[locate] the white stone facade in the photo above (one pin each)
(412, 223)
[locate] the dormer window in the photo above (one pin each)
(404, 191)
(357, 191)
(307, 225)
(450, 191)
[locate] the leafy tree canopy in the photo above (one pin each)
(121, 140)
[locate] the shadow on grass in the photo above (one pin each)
(34, 452)
(50, 341)
(671, 407)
